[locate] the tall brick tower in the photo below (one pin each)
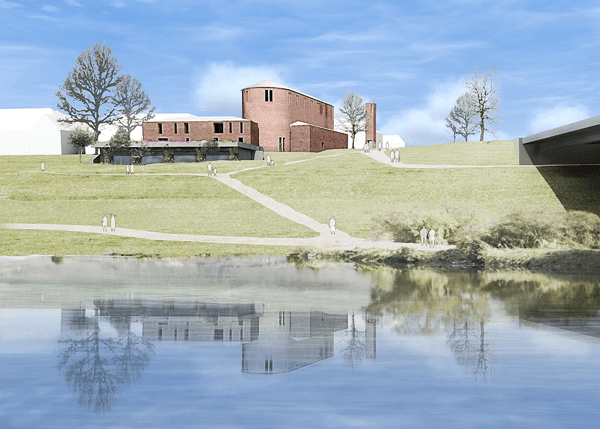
(371, 133)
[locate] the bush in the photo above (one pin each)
(534, 229)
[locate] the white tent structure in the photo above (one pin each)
(34, 132)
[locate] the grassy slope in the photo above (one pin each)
(461, 153)
(354, 189)
(351, 187)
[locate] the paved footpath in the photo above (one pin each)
(383, 158)
(339, 241)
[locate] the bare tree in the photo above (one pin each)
(132, 101)
(462, 117)
(355, 346)
(85, 96)
(80, 139)
(353, 115)
(483, 87)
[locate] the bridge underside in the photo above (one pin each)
(576, 143)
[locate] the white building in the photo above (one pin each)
(394, 141)
(34, 132)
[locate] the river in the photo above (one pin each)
(258, 342)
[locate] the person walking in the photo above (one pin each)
(132, 171)
(332, 226)
(432, 237)
(127, 170)
(113, 222)
(43, 166)
(104, 223)
(392, 156)
(423, 233)
(397, 156)
(210, 169)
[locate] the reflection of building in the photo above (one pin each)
(370, 336)
(273, 342)
(289, 340)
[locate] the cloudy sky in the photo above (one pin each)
(408, 57)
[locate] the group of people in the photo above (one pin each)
(113, 222)
(129, 170)
(270, 162)
(212, 171)
(395, 156)
(425, 235)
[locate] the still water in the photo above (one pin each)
(100, 342)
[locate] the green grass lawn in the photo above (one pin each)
(173, 204)
(354, 189)
(461, 153)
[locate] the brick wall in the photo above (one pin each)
(308, 138)
(372, 121)
(288, 106)
(200, 130)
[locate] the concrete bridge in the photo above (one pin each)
(576, 143)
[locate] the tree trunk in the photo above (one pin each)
(79, 155)
(353, 136)
(482, 130)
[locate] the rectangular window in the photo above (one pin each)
(175, 128)
(241, 127)
(321, 109)
(305, 102)
(218, 127)
(230, 127)
(163, 139)
(186, 125)
(218, 335)
(268, 95)
(159, 128)
(186, 335)
(187, 139)
(241, 139)
(175, 334)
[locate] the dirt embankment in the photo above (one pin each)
(473, 257)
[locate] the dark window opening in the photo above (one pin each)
(160, 334)
(159, 128)
(241, 334)
(218, 335)
(163, 139)
(266, 365)
(230, 335)
(241, 127)
(175, 334)
(218, 127)
(241, 139)
(271, 365)
(186, 126)
(175, 128)
(187, 139)
(268, 95)
(230, 128)
(186, 334)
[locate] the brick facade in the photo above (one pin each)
(275, 108)
(198, 130)
(308, 138)
(371, 132)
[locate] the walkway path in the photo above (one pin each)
(335, 242)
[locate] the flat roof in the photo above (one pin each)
(270, 84)
(584, 126)
(194, 118)
(175, 144)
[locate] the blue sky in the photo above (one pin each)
(408, 57)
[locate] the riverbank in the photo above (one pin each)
(473, 257)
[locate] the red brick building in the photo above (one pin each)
(290, 121)
(197, 128)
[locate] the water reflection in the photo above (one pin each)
(96, 364)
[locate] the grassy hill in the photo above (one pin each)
(341, 183)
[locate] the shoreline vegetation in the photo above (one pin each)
(542, 219)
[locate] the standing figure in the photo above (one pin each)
(269, 160)
(392, 156)
(127, 170)
(43, 167)
(432, 237)
(132, 173)
(215, 171)
(423, 233)
(113, 222)
(332, 225)
(104, 223)
(387, 145)
(210, 169)
(397, 156)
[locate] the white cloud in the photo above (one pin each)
(49, 8)
(426, 124)
(9, 4)
(73, 3)
(217, 90)
(546, 119)
(118, 3)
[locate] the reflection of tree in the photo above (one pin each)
(355, 346)
(94, 366)
(471, 350)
